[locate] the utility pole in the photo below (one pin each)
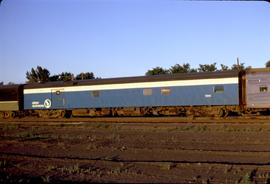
(238, 64)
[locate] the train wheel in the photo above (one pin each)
(13, 114)
(68, 113)
(114, 112)
(62, 114)
(43, 114)
(7, 115)
(56, 114)
(223, 113)
(1, 115)
(226, 113)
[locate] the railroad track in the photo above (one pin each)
(210, 151)
(247, 119)
(255, 173)
(121, 160)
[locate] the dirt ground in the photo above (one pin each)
(79, 152)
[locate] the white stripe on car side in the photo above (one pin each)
(194, 82)
(8, 102)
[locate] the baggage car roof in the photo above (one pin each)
(154, 78)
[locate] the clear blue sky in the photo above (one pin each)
(116, 38)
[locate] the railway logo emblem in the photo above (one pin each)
(47, 103)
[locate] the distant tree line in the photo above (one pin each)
(267, 64)
(186, 68)
(9, 83)
(41, 74)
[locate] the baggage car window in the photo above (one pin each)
(263, 89)
(147, 92)
(165, 91)
(95, 94)
(253, 81)
(218, 89)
